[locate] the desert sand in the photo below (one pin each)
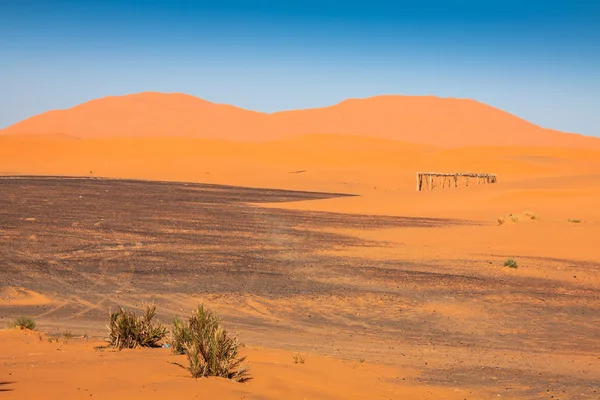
(149, 374)
(390, 292)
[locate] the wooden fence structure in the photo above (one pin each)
(431, 180)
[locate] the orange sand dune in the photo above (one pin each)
(429, 120)
(33, 368)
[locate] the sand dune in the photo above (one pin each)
(429, 120)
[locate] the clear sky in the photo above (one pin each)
(538, 59)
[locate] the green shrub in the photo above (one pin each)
(127, 330)
(23, 323)
(510, 263)
(209, 349)
(180, 335)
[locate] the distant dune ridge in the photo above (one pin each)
(428, 120)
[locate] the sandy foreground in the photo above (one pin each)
(391, 294)
(33, 368)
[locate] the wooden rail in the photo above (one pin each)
(450, 180)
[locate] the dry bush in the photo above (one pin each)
(23, 323)
(298, 358)
(68, 335)
(510, 263)
(531, 215)
(209, 349)
(127, 330)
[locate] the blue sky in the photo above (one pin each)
(538, 59)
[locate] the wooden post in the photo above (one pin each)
(431, 178)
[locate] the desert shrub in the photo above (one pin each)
(575, 221)
(298, 358)
(209, 348)
(180, 335)
(501, 220)
(23, 323)
(127, 330)
(510, 263)
(68, 335)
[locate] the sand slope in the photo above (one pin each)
(427, 120)
(148, 374)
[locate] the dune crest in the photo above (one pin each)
(427, 120)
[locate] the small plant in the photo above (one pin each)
(23, 323)
(298, 358)
(514, 218)
(180, 335)
(575, 221)
(55, 339)
(531, 215)
(501, 221)
(510, 263)
(127, 330)
(209, 348)
(362, 360)
(68, 335)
